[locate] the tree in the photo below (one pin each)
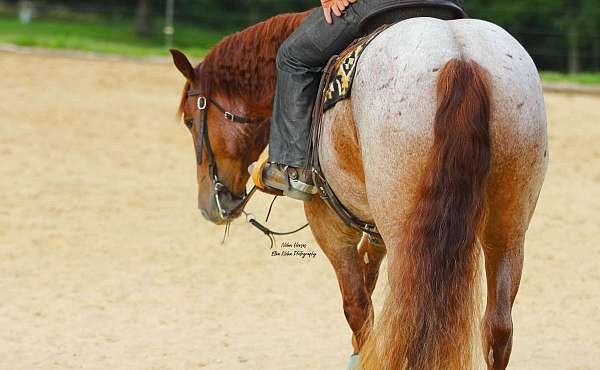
(143, 18)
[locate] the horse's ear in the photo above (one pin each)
(183, 64)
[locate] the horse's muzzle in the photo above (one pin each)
(216, 215)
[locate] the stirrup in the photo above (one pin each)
(294, 188)
(256, 172)
(298, 189)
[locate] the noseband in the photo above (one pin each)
(202, 139)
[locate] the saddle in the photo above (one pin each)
(336, 85)
(339, 72)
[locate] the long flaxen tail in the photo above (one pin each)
(429, 315)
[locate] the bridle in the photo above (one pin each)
(220, 189)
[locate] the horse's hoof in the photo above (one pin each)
(354, 362)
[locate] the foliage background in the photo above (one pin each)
(561, 35)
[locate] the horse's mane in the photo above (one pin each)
(242, 65)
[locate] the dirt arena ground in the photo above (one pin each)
(105, 263)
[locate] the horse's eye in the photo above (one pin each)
(189, 123)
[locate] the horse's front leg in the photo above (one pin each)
(338, 241)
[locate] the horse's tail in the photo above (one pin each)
(428, 320)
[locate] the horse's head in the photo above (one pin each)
(225, 142)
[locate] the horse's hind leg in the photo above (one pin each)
(503, 263)
(338, 241)
(510, 207)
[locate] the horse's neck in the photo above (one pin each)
(268, 79)
(243, 66)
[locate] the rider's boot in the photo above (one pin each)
(293, 182)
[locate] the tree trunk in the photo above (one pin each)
(596, 55)
(574, 62)
(143, 18)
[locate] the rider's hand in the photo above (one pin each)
(337, 6)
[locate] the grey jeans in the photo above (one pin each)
(300, 63)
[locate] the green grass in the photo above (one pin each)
(582, 78)
(111, 37)
(118, 37)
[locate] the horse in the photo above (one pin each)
(442, 145)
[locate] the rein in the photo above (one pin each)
(218, 186)
(251, 219)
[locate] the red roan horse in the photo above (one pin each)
(443, 146)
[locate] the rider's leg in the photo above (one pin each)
(300, 62)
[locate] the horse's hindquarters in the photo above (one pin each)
(394, 104)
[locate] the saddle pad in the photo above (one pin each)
(339, 85)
